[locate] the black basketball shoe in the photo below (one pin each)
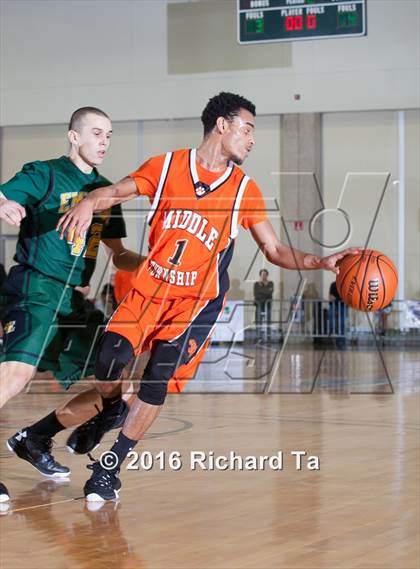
(36, 449)
(4, 494)
(88, 436)
(103, 485)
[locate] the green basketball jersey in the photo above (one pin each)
(47, 190)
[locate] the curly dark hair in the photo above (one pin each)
(225, 105)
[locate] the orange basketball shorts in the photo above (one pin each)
(184, 322)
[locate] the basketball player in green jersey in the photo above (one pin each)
(41, 293)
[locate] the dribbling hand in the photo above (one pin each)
(330, 263)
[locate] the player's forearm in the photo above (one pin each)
(105, 198)
(101, 199)
(127, 260)
(292, 259)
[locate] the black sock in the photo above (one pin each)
(108, 402)
(48, 426)
(122, 447)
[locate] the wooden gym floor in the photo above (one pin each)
(359, 510)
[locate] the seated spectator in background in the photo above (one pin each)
(89, 304)
(107, 303)
(382, 319)
(263, 295)
(337, 316)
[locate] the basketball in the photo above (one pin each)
(367, 281)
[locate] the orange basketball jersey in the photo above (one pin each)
(194, 219)
(122, 284)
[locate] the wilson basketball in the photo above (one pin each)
(367, 281)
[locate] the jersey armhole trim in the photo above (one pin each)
(50, 189)
(162, 180)
(237, 206)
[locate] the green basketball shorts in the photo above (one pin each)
(46, 324)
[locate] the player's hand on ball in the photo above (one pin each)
(330, 263)
(11, 212)
(76, 221)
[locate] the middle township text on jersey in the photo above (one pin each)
(194, 220)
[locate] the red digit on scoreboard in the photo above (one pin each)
(292, 23)
(298, 22)
(311, 21)
(289, 23)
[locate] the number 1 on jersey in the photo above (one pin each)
(180, 248)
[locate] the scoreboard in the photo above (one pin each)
(290, 20)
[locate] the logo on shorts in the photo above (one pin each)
(10, 327)
(192, 347)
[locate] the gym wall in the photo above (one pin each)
(129, 57)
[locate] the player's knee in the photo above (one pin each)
(161, 367)
(114, 353)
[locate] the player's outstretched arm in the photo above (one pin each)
(289, 258)
(123, 258)
(10, 211)
(79, 217)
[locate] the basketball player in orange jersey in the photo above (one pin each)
(199, 198)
